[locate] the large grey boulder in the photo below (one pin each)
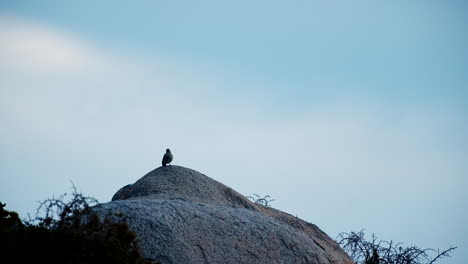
(182, 216)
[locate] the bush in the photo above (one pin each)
(375, 251)
(66, 231)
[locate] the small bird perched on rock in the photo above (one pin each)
(167, 157)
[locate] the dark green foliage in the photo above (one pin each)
(66, 232)
(9, 221)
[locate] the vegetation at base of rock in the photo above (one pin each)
(375, 251)
(58, 213)
(66, 231)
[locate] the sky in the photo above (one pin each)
(350, 114)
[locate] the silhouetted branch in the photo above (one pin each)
(57, 212)
(445, 253)
(377, 251)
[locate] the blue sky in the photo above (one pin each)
(350, 114)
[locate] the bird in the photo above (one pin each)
(167, 158)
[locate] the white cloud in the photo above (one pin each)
(27, 46)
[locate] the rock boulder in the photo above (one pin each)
(183, 216)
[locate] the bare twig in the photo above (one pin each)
(377, 251)
(261, 200)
